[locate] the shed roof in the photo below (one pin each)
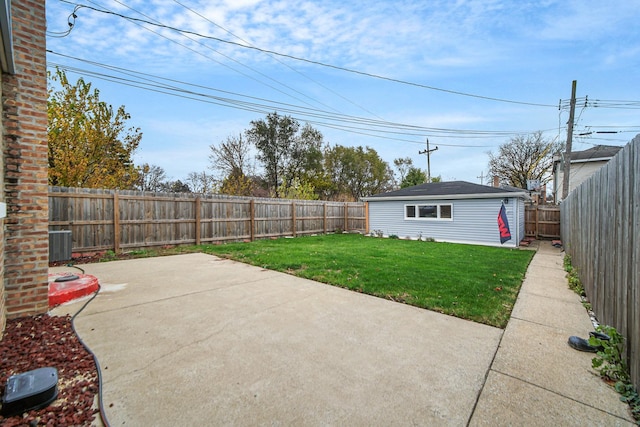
(449, 190)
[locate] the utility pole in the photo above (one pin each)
(566, 170)
(428, 153)
(481, 178)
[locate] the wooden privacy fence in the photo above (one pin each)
(542, 221)
(117, 219)
(600, 231)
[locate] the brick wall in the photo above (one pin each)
(2, 299)
(25, 151)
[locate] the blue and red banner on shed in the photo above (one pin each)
(503, 225)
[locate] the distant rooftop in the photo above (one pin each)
(597, 152)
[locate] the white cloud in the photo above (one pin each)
(525, 50)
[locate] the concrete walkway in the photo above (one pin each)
(536, 379)
(196, 340)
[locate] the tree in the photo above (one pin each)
(298, 190)
(201, 182)
(89, 144)
(415, 176)
(231, 157)
(151, 178)
(285, 151)
(402, 166)
(357, 172)
(237, 185)
(524, 158)
(176, 186)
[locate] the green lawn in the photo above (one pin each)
(478, 283)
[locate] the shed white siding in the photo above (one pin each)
(474, 221)
(521, 222)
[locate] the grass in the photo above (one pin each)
(478, 283)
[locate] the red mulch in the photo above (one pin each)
(42, 341)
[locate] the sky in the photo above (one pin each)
(466, 75)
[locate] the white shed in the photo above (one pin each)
(454, 211)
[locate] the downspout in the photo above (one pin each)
(518, 237)
(6, 55)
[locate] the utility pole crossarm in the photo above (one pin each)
(481, 178)
(428, 153)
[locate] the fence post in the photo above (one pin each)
(198, 220)
(346, 216)
(293, 218)
(116, 223)
(537, 222)
(366, 217)
(252, 213)
(324, 215)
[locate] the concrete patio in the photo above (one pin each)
(197, 340)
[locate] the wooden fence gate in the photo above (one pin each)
(542, 221)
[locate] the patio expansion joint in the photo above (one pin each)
(556, 394)
(486, 375)
(541, 324)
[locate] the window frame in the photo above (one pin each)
(416, 211)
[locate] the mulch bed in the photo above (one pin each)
(42, 341)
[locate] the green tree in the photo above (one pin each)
(298, 190)
(357, 172)
(402, 166)
(524, 158)
(285, 150)
(89, 143)
(414, 176)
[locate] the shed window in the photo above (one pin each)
(428, 212)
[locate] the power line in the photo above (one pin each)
(343, 122)
(221, 54)
(600, 103)
(322, 64)
(281, 62)
(71, 22)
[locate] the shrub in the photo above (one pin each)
(611, 363)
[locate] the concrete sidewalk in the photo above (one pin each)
(536, 379)
(196, 340)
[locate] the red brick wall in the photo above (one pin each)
(24, 117)
(2, 306)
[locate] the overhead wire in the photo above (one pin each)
(257, 108)
(565, 104)
(322, 64)
(345, 122)
(71, 22)
(281, 62)
(219, 53)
